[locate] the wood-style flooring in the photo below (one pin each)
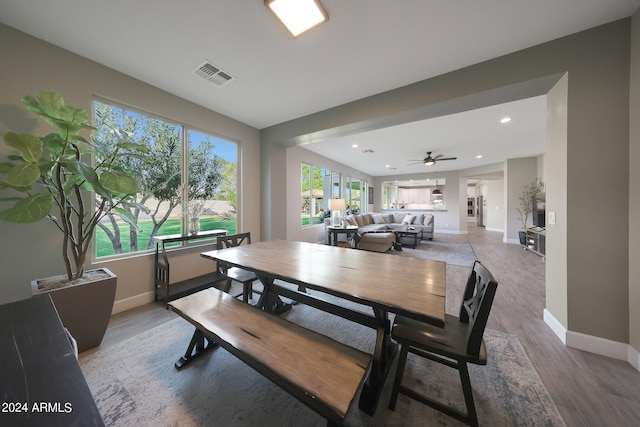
(588, 389)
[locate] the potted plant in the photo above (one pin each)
(53, 177)
(526, 206)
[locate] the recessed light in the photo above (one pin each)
(387, 166)
(479, 156)
(296, 15)
(505, 120)
(354, 146)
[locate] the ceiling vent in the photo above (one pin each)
(213, 74)
(367, 151)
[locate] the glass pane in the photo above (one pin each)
(335, 180)
(353, 196)
(159, 173)
(212, 183)
(305, 210)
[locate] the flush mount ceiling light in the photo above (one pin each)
(298, 16)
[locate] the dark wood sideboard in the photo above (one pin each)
(41, 383)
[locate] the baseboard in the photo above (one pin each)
(555, 326)
(132, 302)
(597, 345)
(633, 357)
(450, 232)
(512, 241)
(499, 230)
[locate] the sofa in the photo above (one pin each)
(373, 221)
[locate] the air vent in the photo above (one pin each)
(367, 151)
(213, 73)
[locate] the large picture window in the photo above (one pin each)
(356, 196)
(188, 180)
(318, 185)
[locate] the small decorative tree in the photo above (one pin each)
(56, 162)
(526, 200)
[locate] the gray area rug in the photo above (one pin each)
(135, 384)
(450, 252)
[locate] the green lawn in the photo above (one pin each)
(171, 226)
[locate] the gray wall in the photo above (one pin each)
(634, 187)
(597, 64)
(29, 252)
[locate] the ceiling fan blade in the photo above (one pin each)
(415, 162)
(437, 157)
(447, 158)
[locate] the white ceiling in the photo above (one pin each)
(366, 47)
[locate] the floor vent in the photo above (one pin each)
(213, 74)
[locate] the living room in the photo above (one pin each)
(593, 108)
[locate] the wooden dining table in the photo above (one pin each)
(387, 284)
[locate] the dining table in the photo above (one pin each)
(383, 284)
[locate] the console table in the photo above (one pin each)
(536, 241)
(332, 233)
(42, 384)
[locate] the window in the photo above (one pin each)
(187, 180)
(355, 193)
(318, 185)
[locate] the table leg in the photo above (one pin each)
(383, 355)
(270, 301)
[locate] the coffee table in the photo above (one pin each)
(409, 233)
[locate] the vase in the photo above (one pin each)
(194, 226)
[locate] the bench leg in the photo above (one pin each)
(200, 343)
(383, 355)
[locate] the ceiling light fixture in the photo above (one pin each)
(429, 161)
(505, 120)
(479, 156)
(354, 146)
(298, 16)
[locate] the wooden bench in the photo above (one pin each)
(167, 291)
(320, 372)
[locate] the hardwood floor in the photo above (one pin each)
(589, 390)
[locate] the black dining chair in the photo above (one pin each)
(235, 273)
(458, 343)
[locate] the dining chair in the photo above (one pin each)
(235, 273)
(460, 342)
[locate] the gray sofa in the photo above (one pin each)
(373, 221)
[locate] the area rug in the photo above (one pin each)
(450, 252)
(135, 384)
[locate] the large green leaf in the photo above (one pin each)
(23, 175)
(28, 210)
(29, 146)
(119, 183)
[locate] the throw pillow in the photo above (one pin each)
(351, 221)
(378, 219)
(388, 218)
(419, 219)
(366, 219)
(408, 219)
(427, 219)
(398, 217)
(359, 221)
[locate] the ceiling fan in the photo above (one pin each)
(429, 160)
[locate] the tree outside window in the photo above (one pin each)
(205, 163)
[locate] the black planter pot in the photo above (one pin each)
(523, 237)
